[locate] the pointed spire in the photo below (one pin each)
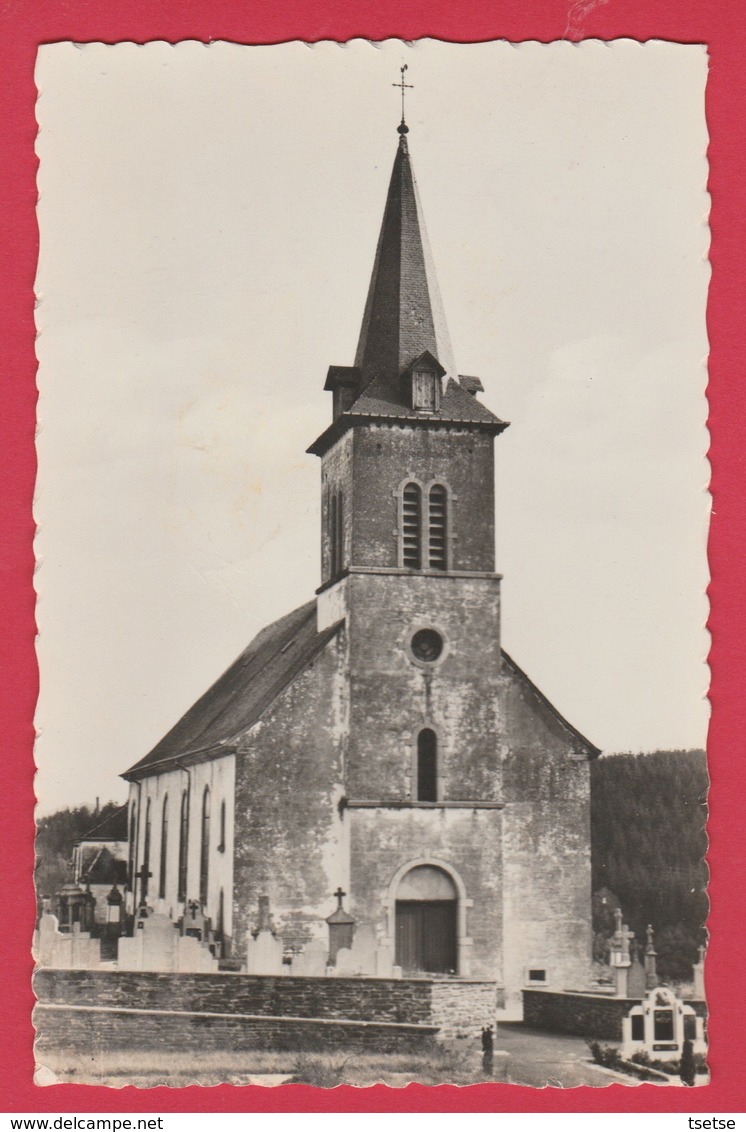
(403, 314)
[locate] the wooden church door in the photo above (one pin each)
(427, 922)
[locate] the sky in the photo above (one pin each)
(208, 218)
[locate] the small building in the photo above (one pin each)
(100, 860)
(378, 741)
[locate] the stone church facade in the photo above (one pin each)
(378, 740)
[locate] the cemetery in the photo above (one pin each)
(164, 987)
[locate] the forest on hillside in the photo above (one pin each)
(648, 838)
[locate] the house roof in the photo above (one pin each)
(100, 866)
(112, 828)
(239, 697)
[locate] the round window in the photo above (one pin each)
(427, 645)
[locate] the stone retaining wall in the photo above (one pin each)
(587, 1015)
(86, 1030)
(462, 1009)
(148, 1009)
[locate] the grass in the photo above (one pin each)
(454, 1063)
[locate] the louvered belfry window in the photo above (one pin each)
(437, 530)
(411, 518)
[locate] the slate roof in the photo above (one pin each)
(100, 866)
(239, 697)
(457, 406)
(404, 313)
(112, 828)
(382, 401)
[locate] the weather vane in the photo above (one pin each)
(403, 86)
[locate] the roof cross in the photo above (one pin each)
(403, 86)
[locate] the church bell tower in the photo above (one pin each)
(407, 537)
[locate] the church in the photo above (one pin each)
(377, 744)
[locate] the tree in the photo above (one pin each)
(648, 842)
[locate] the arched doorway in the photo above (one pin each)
(427, 922)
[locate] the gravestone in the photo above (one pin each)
(659, 1025)
(651, 960)
(73, 950)
(360, 958)
(620, 955)
(311, 960)
(264, 950)
(384, 961)
(158, 945)
(341, 929)
(636, 984)
(698, 974)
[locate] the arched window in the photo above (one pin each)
(183, 846)
(146, 855)
(427, 765)
(221, 845)
(438, 528)
(164, 852)
(336, 534)
(411, 553)
(204, 849)
(132, 848)
(220, 925)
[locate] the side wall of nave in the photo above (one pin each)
(546, 841)
(170, 787)
(289, 772)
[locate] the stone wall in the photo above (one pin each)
(380, 1000)
(463, 1009)
(546, 846)
(119, 1009)
(588, 1015)
(89, 1029)
(288, 770)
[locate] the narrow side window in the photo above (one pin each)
(204, 856)
(183, 844)
(146, 856)
(162, 873)
(132, 847)
(427, 766)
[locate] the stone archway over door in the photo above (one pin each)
(427, 922)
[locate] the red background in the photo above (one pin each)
(721, 24)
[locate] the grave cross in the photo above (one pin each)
(193, 907)
(143, 875)
(403, 86)
(340, 895)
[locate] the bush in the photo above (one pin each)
(608, 1056)
(316, 1070)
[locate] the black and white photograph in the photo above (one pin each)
(372, 511)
